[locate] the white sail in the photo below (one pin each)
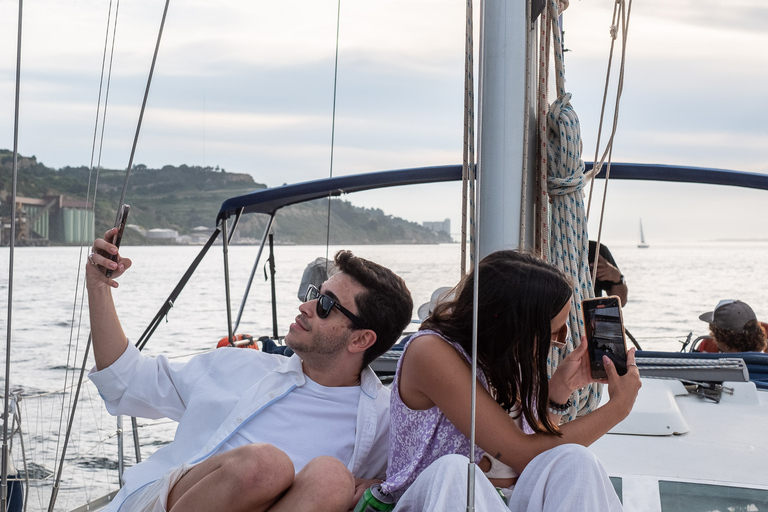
(643, 244)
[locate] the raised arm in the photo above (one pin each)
(433, 373)
(109, 341)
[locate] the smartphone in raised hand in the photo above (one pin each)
(604, 328)
(120, 225)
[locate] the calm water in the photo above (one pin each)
(669, 286)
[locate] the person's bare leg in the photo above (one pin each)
(246, 479)
(323, 485)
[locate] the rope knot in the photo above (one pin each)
(566, 168)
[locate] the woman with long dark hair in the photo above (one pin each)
(524, 305)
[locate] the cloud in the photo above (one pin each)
(738, 15)
(249, 86)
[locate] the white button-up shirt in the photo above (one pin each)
(216, 393)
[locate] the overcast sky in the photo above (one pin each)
(248, 86)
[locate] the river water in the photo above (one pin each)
(669, 286)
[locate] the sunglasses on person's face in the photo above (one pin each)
(325, 305)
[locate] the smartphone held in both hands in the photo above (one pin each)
(120, 225)
(604, 328)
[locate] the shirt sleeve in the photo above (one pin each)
(148, 387)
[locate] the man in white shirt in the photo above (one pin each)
(259, 432)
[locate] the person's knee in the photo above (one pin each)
(452, 467)
(572, 461)
(452, 461)
(575, 454)
(257, 467)
(329, 482)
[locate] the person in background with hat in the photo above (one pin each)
(441, 294)
(735, 328)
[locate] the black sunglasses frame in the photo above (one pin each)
(325, 305)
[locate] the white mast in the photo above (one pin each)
(503, 118)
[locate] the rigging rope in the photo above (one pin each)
(11, 245)
(541, 215)
(525, 165)
(569, 248)
(475, 249)
(333, 134)
(85, 218)
(141, 112)
(74, 399)
(468, 161)
(619, 10)
(622, 11)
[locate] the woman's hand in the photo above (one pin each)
(572, 373)
(623, 389)
(99, 260)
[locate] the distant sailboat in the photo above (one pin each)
(642, 244)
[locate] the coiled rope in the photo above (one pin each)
(568, 240)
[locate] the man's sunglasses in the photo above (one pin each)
(325, 305)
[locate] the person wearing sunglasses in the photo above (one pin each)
(259, 431)
(521, 308)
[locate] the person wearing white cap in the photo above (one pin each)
(734, 327)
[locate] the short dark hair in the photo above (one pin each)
(386, 305)
(751, 339)
(519, 295)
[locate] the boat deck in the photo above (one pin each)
(671, 451)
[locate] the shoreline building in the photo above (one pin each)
(50, 219)
(439, 226)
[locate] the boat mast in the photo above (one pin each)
(505, 205)
(506, 191)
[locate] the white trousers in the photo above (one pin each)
(567, 478)
(154, 497)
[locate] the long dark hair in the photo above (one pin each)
(519, 295)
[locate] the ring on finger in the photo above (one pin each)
(90, 258)
(632, 364)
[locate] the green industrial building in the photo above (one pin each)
(52, 219)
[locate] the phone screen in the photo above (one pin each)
(605, 334)
(120, 225)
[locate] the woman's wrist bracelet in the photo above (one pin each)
(559, 409)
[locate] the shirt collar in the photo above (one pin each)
(369, 382)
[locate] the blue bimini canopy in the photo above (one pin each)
(682, 174)
(270, 200)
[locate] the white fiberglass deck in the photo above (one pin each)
(672, 437)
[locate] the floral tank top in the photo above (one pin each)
(418, 438)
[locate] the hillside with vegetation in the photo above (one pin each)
(185, 197)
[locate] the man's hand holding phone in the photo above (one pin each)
(117, 237)
(106, 256)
